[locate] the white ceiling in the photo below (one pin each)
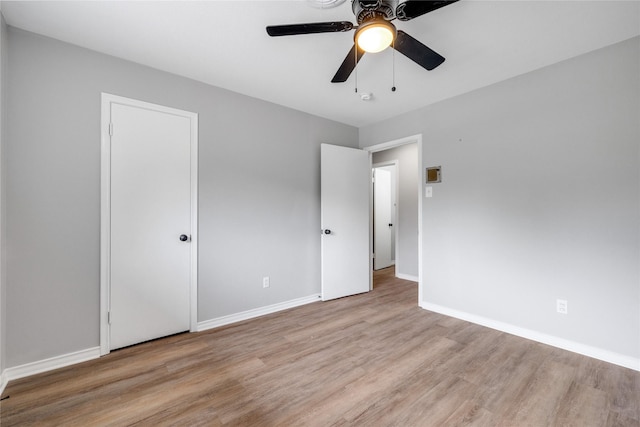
(224, 43)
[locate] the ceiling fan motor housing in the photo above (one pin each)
(367, 10)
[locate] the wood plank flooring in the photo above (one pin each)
(374, 359)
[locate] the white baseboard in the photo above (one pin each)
(407, 277)
(3, 382)
(50, 364)
(585, 350)
(256, 312)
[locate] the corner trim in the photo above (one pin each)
(576, 347)
(50, 364)
(256, 312)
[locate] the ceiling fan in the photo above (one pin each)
(374, 32)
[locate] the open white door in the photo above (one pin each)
(345, 185)
(382, 225)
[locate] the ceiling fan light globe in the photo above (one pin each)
(375, 38)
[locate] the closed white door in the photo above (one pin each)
(150, 224)
(382, 225)
(345, 184)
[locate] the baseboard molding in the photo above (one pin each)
(50, 364)
(256, 312)
(3, 382)
(585, 350)
(407, 277)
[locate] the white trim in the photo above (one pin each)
(193, 276)
(105, 228)
(50, 364)
(395, 143)
(105, 209)
(407, 277)
(372, 254)
(95, 352)
(256, 312)
(3, 382)
(586, 350)
(3, 126)
(417, 139)
(393, 162)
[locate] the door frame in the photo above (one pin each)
(417, 139)
(105, 209)
(395, 208)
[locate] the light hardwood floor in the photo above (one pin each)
(372, 360)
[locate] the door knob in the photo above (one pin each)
(327, 231)
(184, 237)
(390, 225)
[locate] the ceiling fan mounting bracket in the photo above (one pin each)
(367, 10)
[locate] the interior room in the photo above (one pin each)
(529, 111)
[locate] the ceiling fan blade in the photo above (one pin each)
(348, 65)
(416, 51)
(413, 8)
(317, 27)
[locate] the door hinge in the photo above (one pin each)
(110, 129)
(109, 317)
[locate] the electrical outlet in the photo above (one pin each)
(562, 306)
(265, 282)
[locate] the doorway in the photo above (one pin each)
(406, 154)
(148, 222)
(384, 214)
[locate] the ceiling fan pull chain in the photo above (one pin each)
(355, 58)
(393, 69)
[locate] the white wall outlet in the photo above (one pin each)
(562, 306)
(265, 282)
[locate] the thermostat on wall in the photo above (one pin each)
(434, 174)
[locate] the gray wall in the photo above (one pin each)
(259, 194)
(540, 199)
(3, 75)
(407, 229)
